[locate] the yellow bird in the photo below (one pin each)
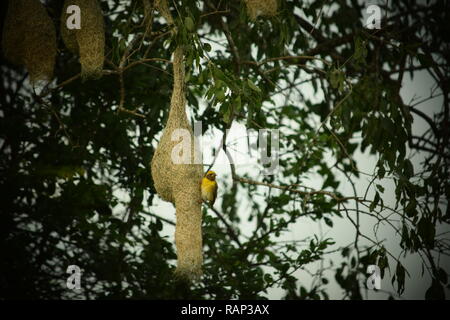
(209, 187)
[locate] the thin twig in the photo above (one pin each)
(290, 188)
(231, 232)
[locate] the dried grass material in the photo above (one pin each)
(180, 183)
(163, 8)
(148, 10)
(89, 41)
(29, 38)
(266, 8)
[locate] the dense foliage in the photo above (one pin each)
(70, 151)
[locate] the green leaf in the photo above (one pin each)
(336, 78)
(400, 273)
(388, 125)
(442, 275)
(226, 119)
(381, 171)
(238, 103)
(207, 47)
(427, 231)
(408, 168)
(189, 23)
(411, 208)
(220, 95)
(220, 75)
(253, 86)
(424, 60)
(360, 53)
(383, 263)
(374, 202)
(268, 278)
(435, 291)
(345, 252)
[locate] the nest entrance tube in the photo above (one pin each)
(179, 183)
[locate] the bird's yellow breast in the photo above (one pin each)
(208, 189)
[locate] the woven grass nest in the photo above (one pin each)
(265, 8)
(180, 183)
(89, 41)
(29, 38)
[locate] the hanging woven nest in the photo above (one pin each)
(29, 38)
(89, 41)
(180, 183)
(265, 8)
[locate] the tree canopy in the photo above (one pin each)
(75, 157)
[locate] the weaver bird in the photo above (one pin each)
(209, 187)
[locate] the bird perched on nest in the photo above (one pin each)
(209, 187)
